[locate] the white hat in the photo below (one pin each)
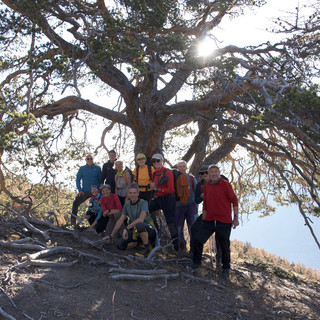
(157, 156)
(213, 166)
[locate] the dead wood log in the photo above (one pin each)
(143, 277)
(22, 246)
(44, 263)
(49, 252)
(33, 228)
(28, 240)
(42, 223)
(6, 315)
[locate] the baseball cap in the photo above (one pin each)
(204, 168)
(213, 166)
(141, 155)
(157, 156)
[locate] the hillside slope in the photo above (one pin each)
(64, 274)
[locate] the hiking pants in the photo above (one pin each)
(140, 227)
(205, 231)
(76, 203)
(168, 205)
(194, 229)
(187, 213)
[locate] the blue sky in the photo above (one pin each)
(283, 234)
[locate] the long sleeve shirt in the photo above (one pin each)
(110, 203)
(88, 176)
(167, 188)
(217, 201)
(94, 206)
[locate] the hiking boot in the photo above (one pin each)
(225, 274)
(145, 253)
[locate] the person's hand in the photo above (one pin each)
(125, 234)
(201, 195)
(235, 223)
(108, 238)
(153, 186)
(79, 194)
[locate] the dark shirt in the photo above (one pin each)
(108, 174)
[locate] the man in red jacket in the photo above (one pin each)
(163, 186)
(217, 217)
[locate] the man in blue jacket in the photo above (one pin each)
(88, 175)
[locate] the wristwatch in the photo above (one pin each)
(236, 216)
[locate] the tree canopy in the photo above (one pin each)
(256, 108)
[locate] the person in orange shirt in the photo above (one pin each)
(143, 174)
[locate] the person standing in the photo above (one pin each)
(108, 171)
(88, 175)
(186, 208)
(198, 199)
(165, 200)
(217, 217)
(122, 179)
(143, 174)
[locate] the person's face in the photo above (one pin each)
(94, 191)
(112, 157)
(214, 174)
(157, 163)
(106, 192)
(141, 162)
(182, 167)
(205, 176)
(89, 160)
(119, 165)
(133, 194)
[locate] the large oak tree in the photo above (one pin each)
(260, 99)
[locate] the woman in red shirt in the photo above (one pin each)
(111, 207)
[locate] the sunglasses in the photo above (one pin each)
(202, 173)
(89, 158)
(155, 160)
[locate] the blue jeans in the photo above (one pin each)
(205, 231)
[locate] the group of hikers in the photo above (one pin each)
(124, 204)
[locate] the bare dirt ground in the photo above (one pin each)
(84, 288)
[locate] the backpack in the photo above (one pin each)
(124, 174)
(176, 174)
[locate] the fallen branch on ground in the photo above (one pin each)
(22, 246)
(143, 277)
(6, 315)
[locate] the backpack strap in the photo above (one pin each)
(150, 171)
